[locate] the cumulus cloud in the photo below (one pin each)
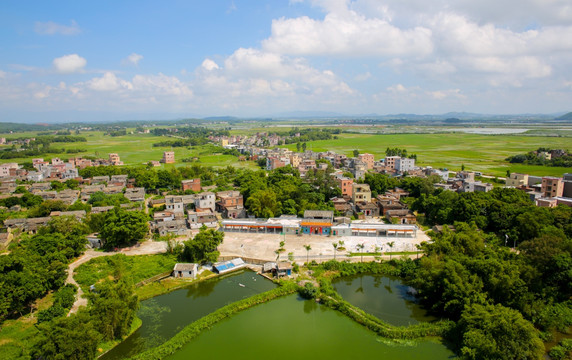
(346, 33)
(52, 28)
(68, 64)
(209, 65)
(108, 82)
(132, 59)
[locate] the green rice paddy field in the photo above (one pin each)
(485, 153)
(138, 149)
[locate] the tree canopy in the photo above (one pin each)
(121, 227)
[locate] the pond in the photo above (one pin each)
(385, 297)
(291, 328)
(165, 315)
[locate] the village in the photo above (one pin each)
(358, 218)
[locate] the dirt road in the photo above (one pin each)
(145, 248)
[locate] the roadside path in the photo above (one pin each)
(145, 248)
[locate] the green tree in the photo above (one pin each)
(497, 332)
(73, 338)
(335, 245)
(391, 244)
(308, 248)
(123, 227)
(113, 307)
(263, 204)
(360, 248)
(356, 153)
(203, 247)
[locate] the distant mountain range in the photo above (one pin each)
(108, 118)
(565, 117)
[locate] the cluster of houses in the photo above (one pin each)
(547, 191)
(56, 169)
(183, 213)
(464, 181)
(358, 166)
(260, 139)
(4, 141)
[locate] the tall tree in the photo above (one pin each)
(123, 227)
(203, 247)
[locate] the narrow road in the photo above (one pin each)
(145, 248)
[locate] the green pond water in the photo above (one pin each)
(385, 297)
(165, 315)
(291, 328)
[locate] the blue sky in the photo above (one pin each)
(110, 60)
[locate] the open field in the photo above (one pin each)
(478, 152)
(484, 153)
(137, 149)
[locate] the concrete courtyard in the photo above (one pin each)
(263, 246)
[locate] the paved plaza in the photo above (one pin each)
(263, 246)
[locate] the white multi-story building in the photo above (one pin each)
(404, 164)
(205, 200)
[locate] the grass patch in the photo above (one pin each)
(137, 149)
(167, 285)
(485, 153)
(133, 268)
(17, 337)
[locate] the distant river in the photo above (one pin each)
(489, 131)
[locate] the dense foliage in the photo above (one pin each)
(500, 211)
(203, 247)
(283, 192)
(536, 158)
(108, 317)
(121, 227)
(467, 277)
(38, 264)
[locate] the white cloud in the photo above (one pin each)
(161, 85)
(209, 65)
(108, 82)
(132, 59)
(52, 28)
(363, 76)
(346, 33)
(68, 64)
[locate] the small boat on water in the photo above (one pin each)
(241, 285)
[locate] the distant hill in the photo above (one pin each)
(565, 117)
(220, 118)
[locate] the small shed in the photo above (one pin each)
(283, 268)
(227, 266)
(185, 270)
(268, 267)
(94, 241)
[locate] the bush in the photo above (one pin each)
(309, 291)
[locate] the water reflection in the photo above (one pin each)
(165, 315)
(382, 296)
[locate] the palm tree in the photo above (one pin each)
(360, 247)
(391, 246)
(335, 245)
(341, 245)
(308, 248)
(418, 246)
